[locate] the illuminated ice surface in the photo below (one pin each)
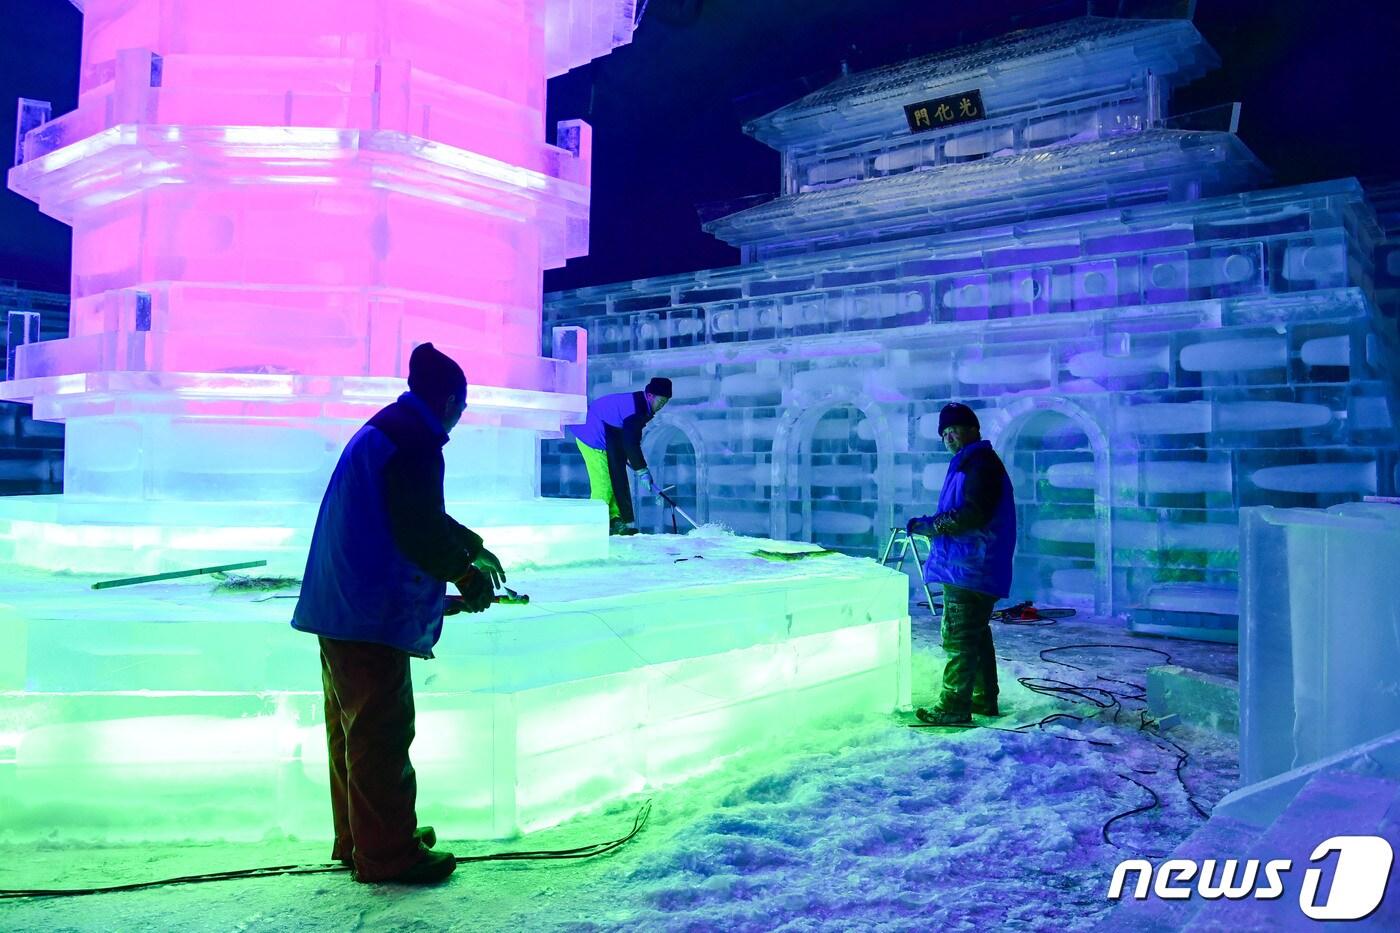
(851, 823)
(272, 205)
(168, 711)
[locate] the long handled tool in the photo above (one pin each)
(177, 574)
(676, 508)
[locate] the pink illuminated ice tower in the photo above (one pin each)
(272, 203)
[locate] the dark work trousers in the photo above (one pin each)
(369, 727)
(617, 469)
(971, 672)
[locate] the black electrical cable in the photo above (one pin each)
(1182, 756)
(1145, 808)
(1103, 698)
(1061, 690)
(1144, 727)
(587, 851)
(1052, 650)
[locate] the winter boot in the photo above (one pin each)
(432, 868)
(424, 834)
(985, 708)
(939, 717)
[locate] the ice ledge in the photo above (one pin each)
(1042, 182)
(127, 158)
(64, 396)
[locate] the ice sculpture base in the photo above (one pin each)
(171, 711)
(104, 536)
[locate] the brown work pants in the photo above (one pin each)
(369, 727)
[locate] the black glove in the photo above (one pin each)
(919, 526)
(476, 591)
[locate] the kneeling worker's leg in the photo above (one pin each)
(622, 489)
(600, 485)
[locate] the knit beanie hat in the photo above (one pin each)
(660, 386)
(956, 413)
(433, 375)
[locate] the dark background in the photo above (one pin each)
(1319, 102)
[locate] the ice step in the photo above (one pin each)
(1220, 837)
(1333, 803)
(1199, 698)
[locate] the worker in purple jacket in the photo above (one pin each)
(610, 440)
(972, 540)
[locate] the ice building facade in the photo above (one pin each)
(271, 205)
(1152, 341)
(31, 452)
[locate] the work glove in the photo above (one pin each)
(476, 591)
(919, 526)
(644, 476)
(490, 566)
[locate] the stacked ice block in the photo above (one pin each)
(173, 712)
(271, 206)
(1319, 633)
(1149, 347)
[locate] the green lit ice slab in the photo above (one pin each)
(169, 711)
(92, 534)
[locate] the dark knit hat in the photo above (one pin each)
(957, 413)
(660, 385)
(433, 375)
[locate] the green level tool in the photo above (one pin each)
(176, 574)
(795, 555)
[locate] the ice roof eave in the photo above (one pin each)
(1030, 176)
(1166, 47)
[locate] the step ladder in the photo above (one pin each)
(908, 544)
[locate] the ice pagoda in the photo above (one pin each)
(272, 204)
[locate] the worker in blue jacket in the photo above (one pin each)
(383, 549)
(610, 440)
(972, 540)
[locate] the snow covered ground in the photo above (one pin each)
(853, 824)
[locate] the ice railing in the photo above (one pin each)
(322, 94)
(575, 31)
(1242, 246)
